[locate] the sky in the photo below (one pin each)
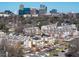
(60, 6)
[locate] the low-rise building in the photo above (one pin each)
(4, 14)
(27, 15)
(32, 30)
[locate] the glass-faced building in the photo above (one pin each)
(43, 9)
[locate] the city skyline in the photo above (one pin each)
(60, 6)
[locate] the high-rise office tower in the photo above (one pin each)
(43, 9)
(34, 11)
(53, 11)
(23, 10)
(21, 7)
